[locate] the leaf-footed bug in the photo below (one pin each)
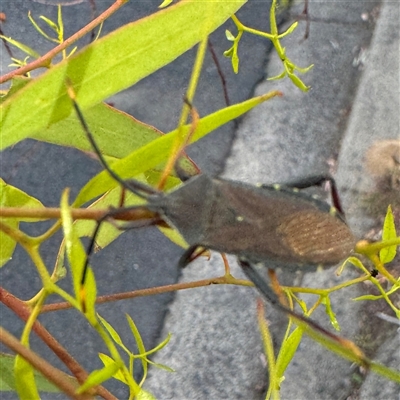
(273, 225)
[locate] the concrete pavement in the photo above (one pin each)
(354, 101)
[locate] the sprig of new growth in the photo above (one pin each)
(289, 67)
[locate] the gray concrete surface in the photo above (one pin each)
(215, 348)
(283, 139)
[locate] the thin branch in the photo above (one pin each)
(153, 291)
(122, 214)
(23, 312)
(54, 375)
(45, 60)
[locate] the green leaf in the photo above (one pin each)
(89, 293)
(288, 350)
(158, 150)
(7, 379)
(298, 82)
(70, 243)
(136, 334)
(110, 65)
(159, 346)
(161, 366)
(389, 232)
(229, 35)
(107, 360)
(235, 63)
(85, 292)
(304, 70)
(25, 379)
(99, 376)
(113, 333)
(228, 53)
(289, 30)
(139, 343)
(108, 232)
(277, 77)
(117, 134)
(10, 196)
(38, 28)
(26, 49)
(49, 22)
(332, 317)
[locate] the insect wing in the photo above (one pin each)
(283, 227)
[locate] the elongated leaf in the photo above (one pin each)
(389, 232)
(158, 150)
(136, 334)
(89, 292)
(288, 350)
(111, 64)
(99, 376)
(107, 360)
(26, 49)
(140, 345)
(86, 293)
(160, 345)
(332, 316)
(161, 366)
(117, 134)
(113, 333)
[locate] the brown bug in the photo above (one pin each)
(264, 226)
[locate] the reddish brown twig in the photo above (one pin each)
(153, 291)
(20, 309)
(45, 60)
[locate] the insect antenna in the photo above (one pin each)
(139, 189)
(318, 180)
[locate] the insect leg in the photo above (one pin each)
(190, 254)
(113, 214)
(307, 324)
(318, 180)
(262, 285)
